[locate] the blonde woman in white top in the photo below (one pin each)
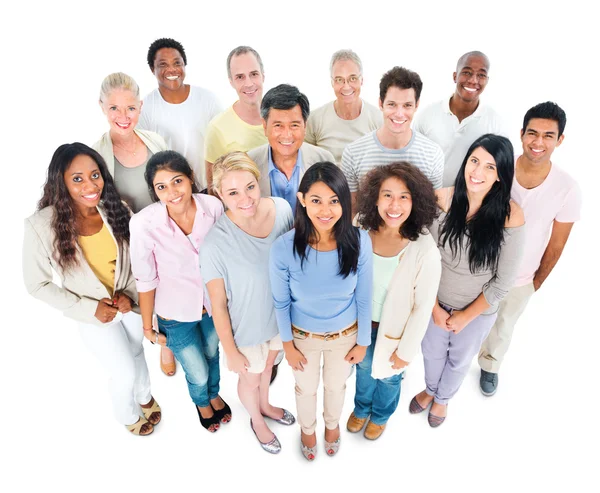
(396, 205)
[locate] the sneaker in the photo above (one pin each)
(488, 383)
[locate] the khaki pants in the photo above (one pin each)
(336, 371)
(496, 345)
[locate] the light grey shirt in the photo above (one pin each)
(131, 184)
(459, 287)
(242, 261)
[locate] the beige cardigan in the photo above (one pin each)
(310, 155)
(81, 289)
(104, 146)
(408, 305)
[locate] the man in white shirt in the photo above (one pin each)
(456, 123)
(179, 112)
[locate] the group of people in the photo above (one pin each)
(349, 236)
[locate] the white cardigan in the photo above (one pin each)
(408, 305)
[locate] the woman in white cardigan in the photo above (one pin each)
(81, 231)
(396, 204)
(127, 151)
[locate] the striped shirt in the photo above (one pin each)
(362, 155)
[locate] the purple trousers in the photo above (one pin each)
(447, 356)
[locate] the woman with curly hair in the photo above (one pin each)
(81, 231)
(480, 235)
(396, 205)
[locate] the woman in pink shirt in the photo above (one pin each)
(166, 238)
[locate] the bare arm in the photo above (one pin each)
(208, 167)
(558, 239)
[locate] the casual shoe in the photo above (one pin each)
(167, 368)
(273, 446)
(354, 424)
(415, 407)
(435, 421)
(206, 422)
(136, 428)
(153, 413)
(287, 418)
(373, 431)
(332, 448)
(220, 414)
(273, 373)
(488, 383)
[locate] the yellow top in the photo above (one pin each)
(100, 251)
(227, 132)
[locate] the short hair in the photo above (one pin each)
(171, 161)
(402, 78)
(342, 55)
(547, 111)
(242, 50)
(118, 80)
(463, 59)
(284, 97)
(424, 203)
(234, 161)
(161, 43)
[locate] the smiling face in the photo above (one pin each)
(480, 171)
(169, 69)
(246, 78)
(398, 109)
(285, 130)
(122, 110)
(322, 207)
(539, 139)
(346, 81)
(240, 193)
(471, 78)
(84, 182)
(394, 203)
(173, 188)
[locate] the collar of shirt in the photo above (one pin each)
(297, 166)
(476, 114)
(162, 217)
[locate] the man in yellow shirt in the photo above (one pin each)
(239, 127)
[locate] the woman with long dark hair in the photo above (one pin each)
(321, 278)
(396, 205)
(480, 234)
(166, 238)
(81, 231)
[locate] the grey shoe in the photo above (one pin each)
(287, 418)
(488, 383)
(273, 447)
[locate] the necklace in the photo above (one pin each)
(127, 150)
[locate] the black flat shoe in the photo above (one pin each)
(206, 422)
(220, 414)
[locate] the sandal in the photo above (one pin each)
(207, 422)
(309, 453)
(220, 413)
(332, 448)
(153, 413)
(167, 368)
(136, 428)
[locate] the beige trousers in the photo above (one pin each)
(336, 371)
(496, 345)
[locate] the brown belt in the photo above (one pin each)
(329, 336)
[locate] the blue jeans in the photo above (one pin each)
(375, 398)
(196, 347)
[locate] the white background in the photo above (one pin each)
(539, 432)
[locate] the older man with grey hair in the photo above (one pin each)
(456, 122)
(283, 161)
(336, 124)
(239, 127)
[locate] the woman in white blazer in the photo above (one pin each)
(81, 231)
(396, 204)
(127, 151)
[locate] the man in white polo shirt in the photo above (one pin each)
(399, 93)
(456, 123)
(551, 201)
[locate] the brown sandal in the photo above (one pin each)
(136, 428)
(167, 368)
(153, 413)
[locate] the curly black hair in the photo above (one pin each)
(164, 43)
(57, 195)
(424, 204)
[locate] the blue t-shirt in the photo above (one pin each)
(315, 297)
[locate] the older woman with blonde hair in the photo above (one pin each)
(235, 267)
(127, 151)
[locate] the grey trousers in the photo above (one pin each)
(447, 356)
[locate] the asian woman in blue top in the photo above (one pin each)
(322, 280)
